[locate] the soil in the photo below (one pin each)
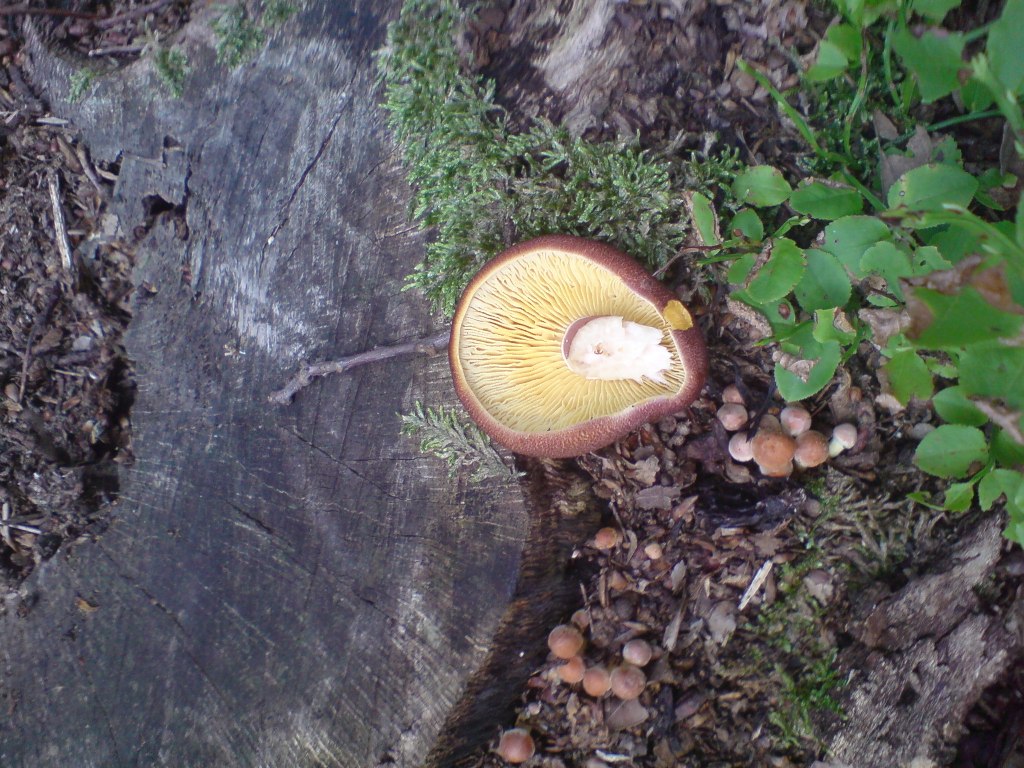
(696, 530)
(67, 386)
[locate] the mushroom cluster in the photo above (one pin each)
(561, 345)
(780, 443)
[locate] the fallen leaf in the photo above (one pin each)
(657, 497)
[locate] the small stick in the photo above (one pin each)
(60, 224)
(134, 13)
(27, 10)
(116, 49)
(90, 172)
(310, 371)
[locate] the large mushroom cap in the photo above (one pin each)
(509, 346)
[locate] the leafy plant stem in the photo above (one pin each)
(858, 102)
(890, 81)
(957, 120)
(808, 135)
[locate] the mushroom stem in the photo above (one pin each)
(428, 346)
(611, 348)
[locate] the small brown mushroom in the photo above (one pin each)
(732, 415)
(795, 420)
(516, 746)
(844, 437)
(596, 681)
(740, 448)
(607, 538)
(562, 345)
(811, 449)
(627, 682)
(637, 652)
(731, 394)
(565, 641)
(773, 449)
(572, 670)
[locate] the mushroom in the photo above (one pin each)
(637, 652)
(732, 415)
(844, 437)
(740, 448)
(627, 682)
(565, 641)
(597, 681)
(795, 420)
(572, 670)
(562, 345)
(811, 449)
(516, 746)
(773, 449)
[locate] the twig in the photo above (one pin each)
(115, 49)
(60, 224)
(134, 13)
(5, 530)
(26, 9)
(682, 252)
(310, 371)
(90, 172)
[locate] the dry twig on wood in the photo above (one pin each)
(60, 224)
(310, 371)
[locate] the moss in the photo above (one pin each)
(172, 67)
(479, 185)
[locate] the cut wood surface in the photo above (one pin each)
(279, 586)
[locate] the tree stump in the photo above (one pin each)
(279, 586)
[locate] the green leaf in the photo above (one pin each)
(995, 371)
(705, 220)
(1014, 530)
(824, 284)
(942, 369)
(953, 405)
(847, 239)
(779, 274)
(908, 376)
(781, 316)
(761, 186)
(931, 187)
(1005, 46)
(888, 261)
(823, 201)
(928, 259)
(935, 59)
(954, 241)
(998, 482)
(800, 342)
(793, 387)
(977, 97)
(963, 318)
(739, 271)
(825, 328)
(959, 497)
(935, 10)
(950, 450)
(847, 38)
(747, 223)
(1005, 450)
(881, 300)
(831, 62)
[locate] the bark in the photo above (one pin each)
(925, 656)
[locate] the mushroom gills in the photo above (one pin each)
(611, 348)
(514, 331)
